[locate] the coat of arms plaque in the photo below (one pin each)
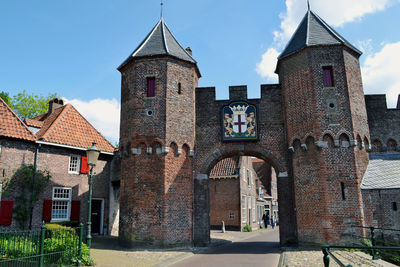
(239, 122)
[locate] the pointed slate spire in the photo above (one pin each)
(160, 41)
(314, 31)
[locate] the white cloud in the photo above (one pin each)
(380, 73)
(103, 114)
(266, 67)
(365, 46)
(335, 13)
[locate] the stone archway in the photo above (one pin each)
(271, 147)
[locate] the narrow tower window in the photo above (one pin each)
(179, 88)
(343, 192)
(151, 84)
(394, 206)
(328, 76)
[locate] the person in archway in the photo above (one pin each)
(273, 221)
(266, 219)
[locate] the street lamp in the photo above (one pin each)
(92, 156)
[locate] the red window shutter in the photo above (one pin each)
(75, 210)
(47, 207)
(151, 84)
(6, 212)
(328, 76)
(84, 165)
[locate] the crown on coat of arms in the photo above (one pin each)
(239, 109)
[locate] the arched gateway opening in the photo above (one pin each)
(202, 192)
(243, 195)
(212, 128)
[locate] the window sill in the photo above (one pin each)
(149, 97)
(59, 220)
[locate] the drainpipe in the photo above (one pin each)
(33, 184)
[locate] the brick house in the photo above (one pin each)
(58, 140)
(269, 188)
(237, 194)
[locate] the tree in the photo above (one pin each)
(5, 96)
(30, 105)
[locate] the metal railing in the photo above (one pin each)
(376, 246)
(44, 247)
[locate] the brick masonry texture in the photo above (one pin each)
(384, 124)
(322, 215)
(157, 198)
(226, 197)
(316, 138)
(15, 153)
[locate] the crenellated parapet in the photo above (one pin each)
(384, 124)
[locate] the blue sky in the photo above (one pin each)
(74, 47)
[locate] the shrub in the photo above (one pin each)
(247, 228)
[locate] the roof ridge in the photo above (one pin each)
(293, 35)
(143, 42)
(65, 107)
(335, 34)
(308, 26)
(163, 35)
(18, 118)
(179, 43)
(91, 125)
(329, 28)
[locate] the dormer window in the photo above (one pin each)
(328, 76)
(151, 86)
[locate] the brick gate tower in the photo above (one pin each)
(327, 129)
(156, 140)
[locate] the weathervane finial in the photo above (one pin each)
(161, 4)
(308, 5)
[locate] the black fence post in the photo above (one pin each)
(325, 249)
(80, 243)
(41, 247)
(375, 254)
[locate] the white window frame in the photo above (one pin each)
(68, 200)
(231, 215)
(78, 164)
(254, 209)
(244, 209)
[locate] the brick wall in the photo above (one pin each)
(157, 199)
(384, 124)
(333, 117)
(56, 161)
(225, 198)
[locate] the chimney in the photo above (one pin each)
(54, 104)
(189, 50)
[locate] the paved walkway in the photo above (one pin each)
(314, 258)
(259, 250)
(107, 253)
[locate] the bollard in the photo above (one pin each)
(223, 226)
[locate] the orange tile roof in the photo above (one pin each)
(226, 167)
(66, 126)
(33, 123)
(11, 125)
